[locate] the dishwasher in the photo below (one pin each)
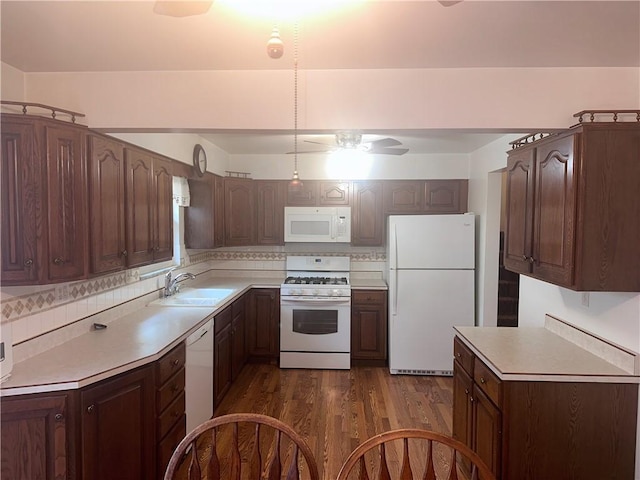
(199, 376)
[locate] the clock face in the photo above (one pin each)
(199, 159)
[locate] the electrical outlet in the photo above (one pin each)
(585, 299)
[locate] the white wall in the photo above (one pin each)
(472, 98)
(312, 166)
(11, 83)
(179, 146)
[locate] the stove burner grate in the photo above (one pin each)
(316, 281)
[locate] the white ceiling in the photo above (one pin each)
(71, 36)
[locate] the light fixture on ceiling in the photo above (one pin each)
(275, 47)
(295, 183)
(348, 140)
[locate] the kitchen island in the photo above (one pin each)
(537, 403)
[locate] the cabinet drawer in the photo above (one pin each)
(170, 390)
(488, 382)
(368, 297)
(170, 364)
(170, 415)
(170, 442)
(463, 355)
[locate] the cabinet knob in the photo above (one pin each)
(174, 388)
(471, 399)
(525, 258)
(58, 261)
(466, 391)
(124, 253)
(59, 416)
(531, 260)
(91, 408)
(175, 362)
(272, 296)
(482, 380)
(28, 262)
(458, 354)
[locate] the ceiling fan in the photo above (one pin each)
(187, 8)
(353, 141)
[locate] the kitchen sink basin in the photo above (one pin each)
(195, 297)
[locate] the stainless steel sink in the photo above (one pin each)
(195, 297)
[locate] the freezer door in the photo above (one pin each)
(424, 307)
(431, 241)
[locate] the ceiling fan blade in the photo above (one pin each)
(181, 8)
(318, 143)
(311, 151)
(388, 151)
(384, 142)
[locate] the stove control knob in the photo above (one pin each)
(316, 292)
(335, 292)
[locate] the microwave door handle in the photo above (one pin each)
(334, 227)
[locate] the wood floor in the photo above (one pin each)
(337, 409)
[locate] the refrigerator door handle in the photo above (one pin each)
(394, 290)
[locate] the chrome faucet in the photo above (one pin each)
(171, 284)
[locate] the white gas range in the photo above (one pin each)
(315, 313)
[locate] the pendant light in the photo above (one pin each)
(295, 183)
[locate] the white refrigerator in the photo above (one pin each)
(431, 262)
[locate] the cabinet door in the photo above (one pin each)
(367, 217)
(117, 431)
(334, 193)
(239, 212)
(462, 407)
(222, 364)
(554, 212)
(106, 204)
(218, 212)
(199, 217)
(238, 345)
(67, 232)
(445, 196)
(270, 212)
(263, 323)
(403, 196)
(519, 211)
(487, 432)
(21, 204)
(34, 438)
(369, 325)
(139, 196)
(304, 196)
(162, 210)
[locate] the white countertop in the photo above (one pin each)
(131, 341)
(538, 354)
(368, 284)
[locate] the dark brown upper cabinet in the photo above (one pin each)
(425, 196)
(572, 208)
(44, 201)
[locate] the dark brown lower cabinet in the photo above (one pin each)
(37, 433)
(125, 427)
(263, 324)
(369, 327)
(116, 431)
(222, 349)
(529, 430)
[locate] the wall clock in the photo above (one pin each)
(199, 159)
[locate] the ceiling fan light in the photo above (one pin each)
(348, 140)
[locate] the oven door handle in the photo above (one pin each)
(315, 301)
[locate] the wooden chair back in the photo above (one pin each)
(397, 454)
(242, 446)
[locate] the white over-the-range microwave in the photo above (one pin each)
(317, 224)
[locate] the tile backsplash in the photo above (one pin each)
(35, 310)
